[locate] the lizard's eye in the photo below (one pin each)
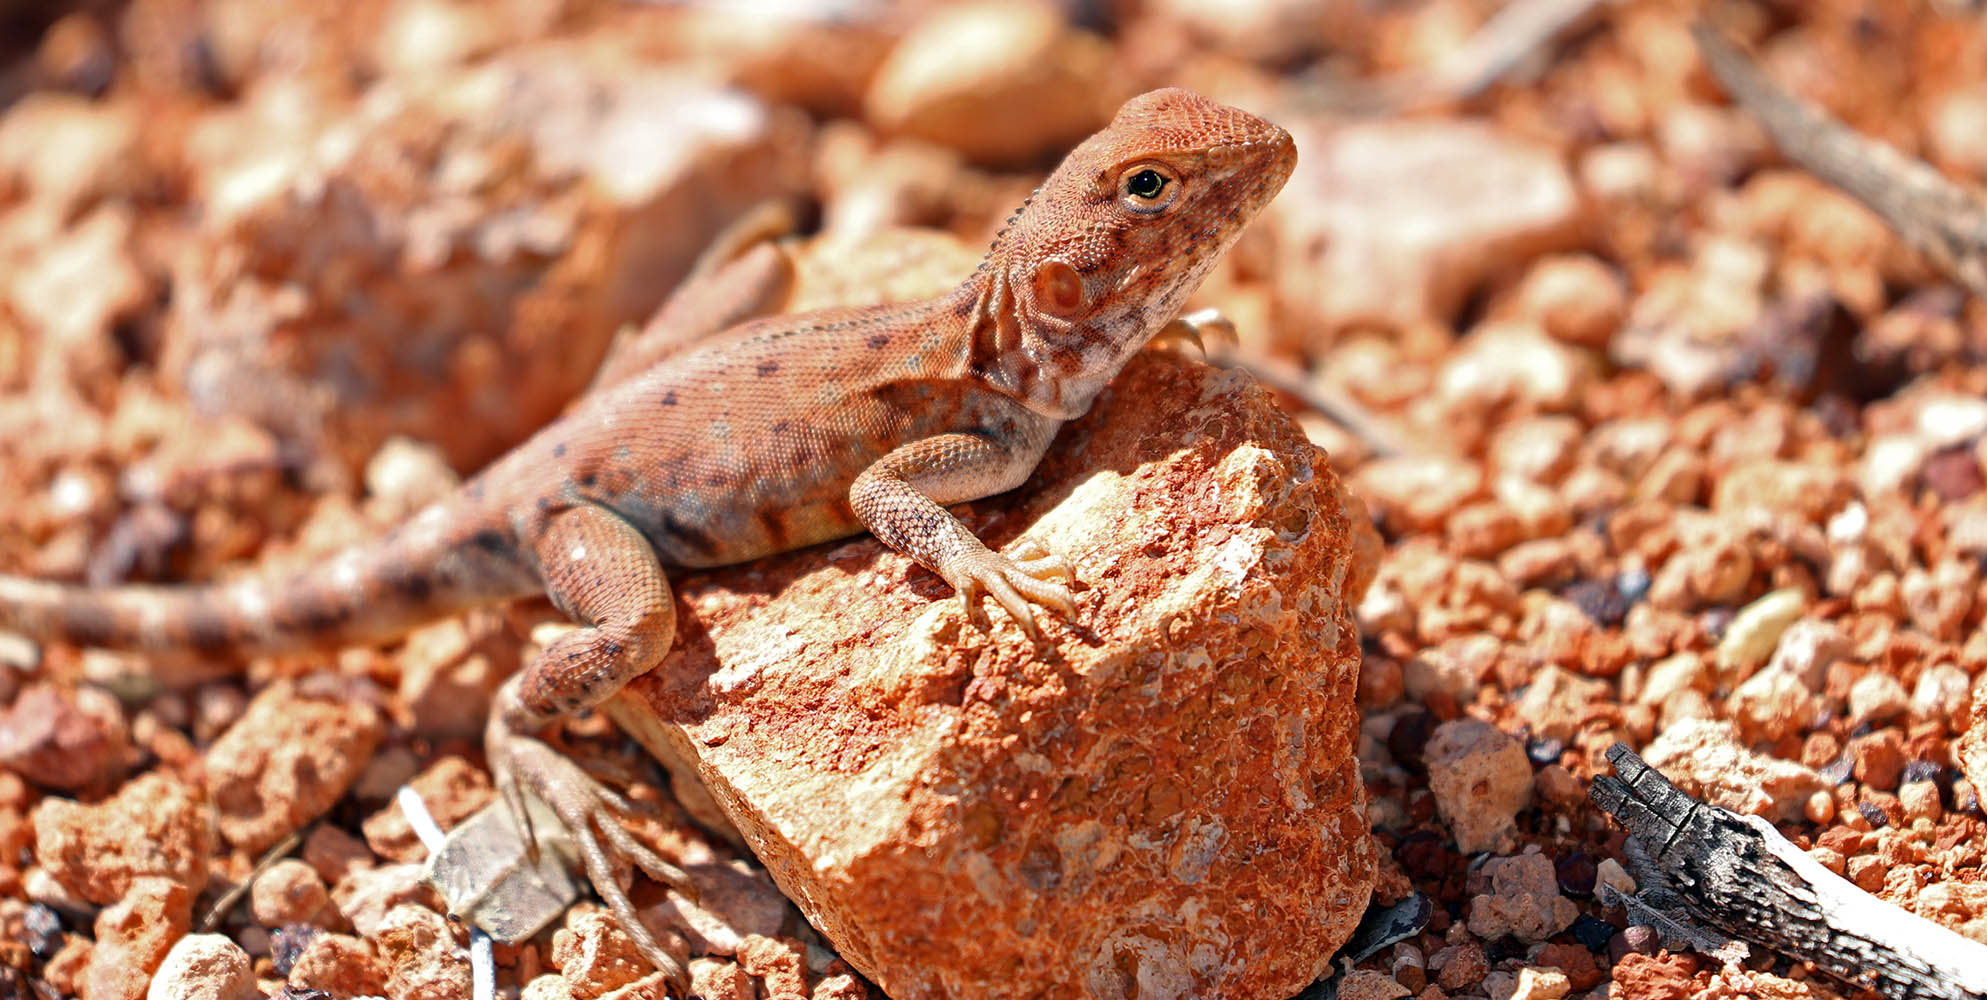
(1147, 189)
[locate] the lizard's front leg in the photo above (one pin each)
(600, 571)
(900, 499)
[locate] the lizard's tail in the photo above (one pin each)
(372, 592)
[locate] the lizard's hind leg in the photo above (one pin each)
(602, 572)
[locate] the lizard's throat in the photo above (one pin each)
(1054, 366)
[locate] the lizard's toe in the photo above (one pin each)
(1047, 593)
(970, 592)
(1017, 585)
(1002, 589)
(513, 792)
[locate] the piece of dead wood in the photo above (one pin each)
(1940, 219)
(1511, 38)
(1706, 864)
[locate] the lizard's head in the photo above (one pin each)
(1106, 253)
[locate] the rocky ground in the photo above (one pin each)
(1667, 442)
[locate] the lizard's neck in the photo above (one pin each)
(1053, 365)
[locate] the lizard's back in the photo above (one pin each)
(746, 445)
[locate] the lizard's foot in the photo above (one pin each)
(526, 764)
(1014, 583)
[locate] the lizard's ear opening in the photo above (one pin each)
(1059, 289)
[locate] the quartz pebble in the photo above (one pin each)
(1754, 633)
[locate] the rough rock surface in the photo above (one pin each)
(426, 962)
(339, 964)
(133, 937)
(1706, 759)
(154, 826)
(292, 754)
(1136, 808)
(1523, 901)
(1971, 747)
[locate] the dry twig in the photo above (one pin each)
(1741, 876)
(1943, 221)
(1512, 36)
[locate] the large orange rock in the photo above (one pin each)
(1162, 800)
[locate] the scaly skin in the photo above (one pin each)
(774, 434)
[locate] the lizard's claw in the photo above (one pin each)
(1033, 559)
(523, 763)
(1196, 328)
(1015, 585)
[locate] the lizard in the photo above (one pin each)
(773, 434)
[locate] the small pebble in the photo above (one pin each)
(1920, 800)
(42, 930)
(1610, 873)
(288, 943)
(1605, 605)
(1481, 781)
(287, 892)
(1873, 815)
(1877, 698)
(1577, 873)
(1543, 752)
(1642, 938)
(1409, 735)
(1749, 640)
(204, 967)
